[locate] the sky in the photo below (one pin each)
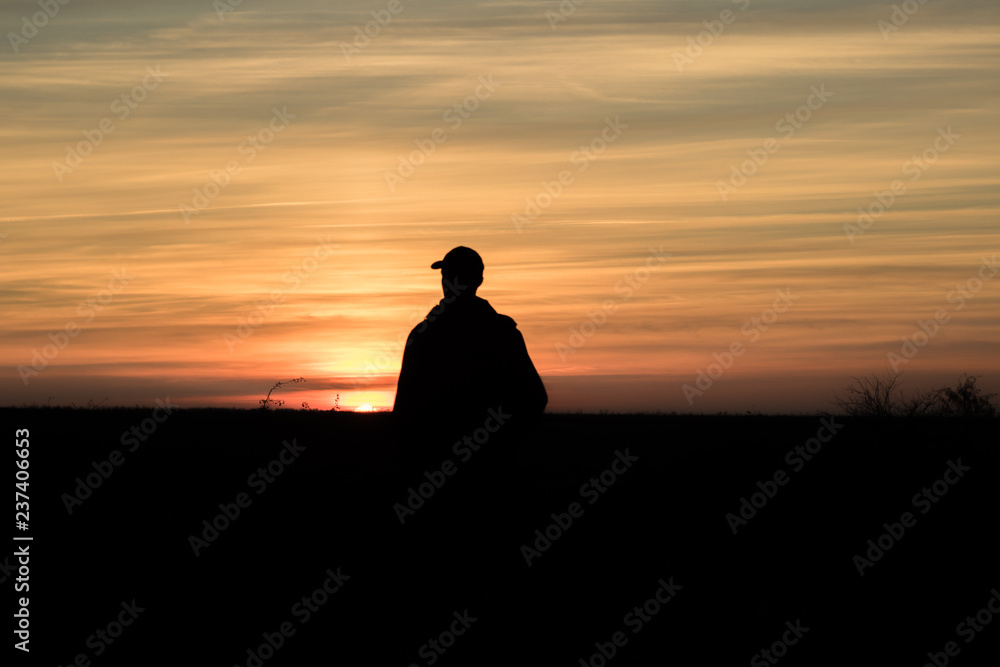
(686, 206)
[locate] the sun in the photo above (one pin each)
(364, 408)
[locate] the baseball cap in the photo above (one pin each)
(461, 260)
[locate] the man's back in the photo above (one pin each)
(463, 360)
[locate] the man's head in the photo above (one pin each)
(461, 271)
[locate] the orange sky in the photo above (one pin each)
(322, 240)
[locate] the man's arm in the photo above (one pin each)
(407, 386)
(527, 384)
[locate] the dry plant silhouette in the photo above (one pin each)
(882, 396)
(267, 402)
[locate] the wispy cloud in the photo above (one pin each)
(657, 185)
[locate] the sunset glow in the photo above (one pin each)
(267, 203)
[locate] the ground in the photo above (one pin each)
(641, 554)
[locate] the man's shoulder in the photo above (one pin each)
(415, 334)
(505, 334)
(499, 319)
(506, 321)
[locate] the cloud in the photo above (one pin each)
(325, 175)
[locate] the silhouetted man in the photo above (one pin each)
(464, 361)
(466, 390)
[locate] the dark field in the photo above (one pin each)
(329, 510)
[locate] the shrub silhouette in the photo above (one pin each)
(870, 396)
(881, 396)
(965, 400)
